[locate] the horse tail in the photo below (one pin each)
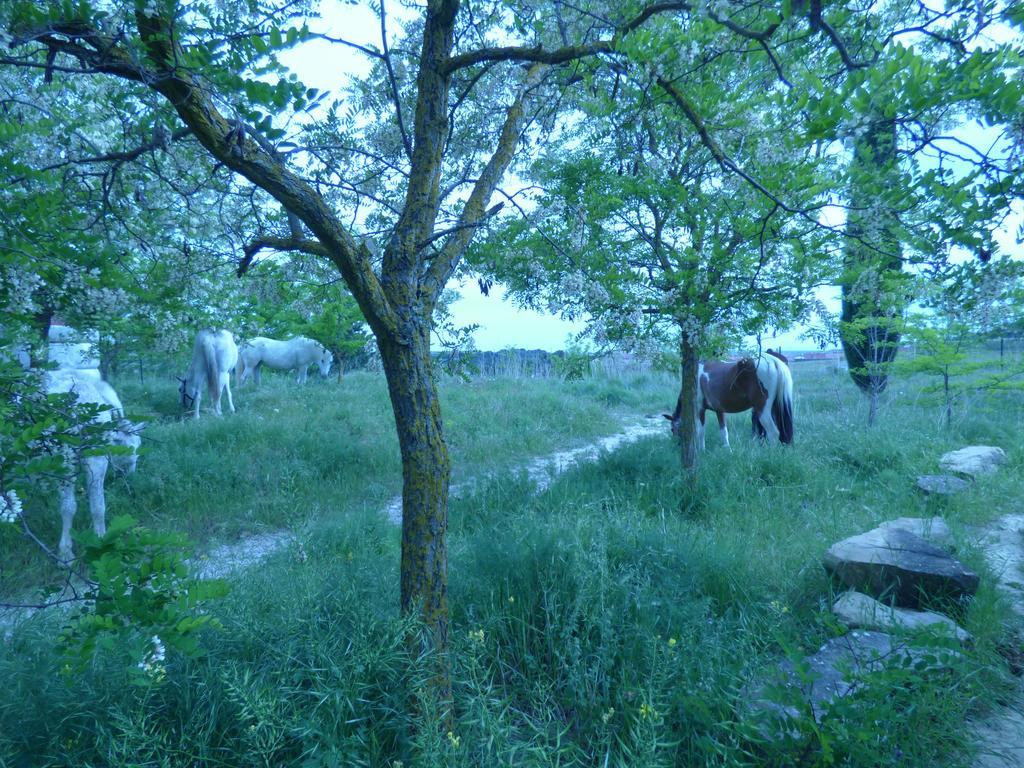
(210, 367)
(768, 377)
(782, 407)
(239, 368)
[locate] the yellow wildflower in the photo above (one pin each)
(454, 740)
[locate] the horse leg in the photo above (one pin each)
(700, 429)
(225, 379)
(723, 428)
(756, 430)
(199, 399)
(68, 507)
(95, 472)
(764, 417)
(256, 372)
(303, 372)
(215, 396)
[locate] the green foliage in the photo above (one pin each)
(574, 362)
(281, 297)
(141, 595)
(136, 589)
(39, 433)
(961, 303)
(618, 617)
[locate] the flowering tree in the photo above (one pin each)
(392, 182)
(959, 305)
(930, 119)
(641, 230)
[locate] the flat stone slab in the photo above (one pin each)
(933, 529)
(898, 566)
(838, 669)
(858, 610)
(942, 485)
(973, 460)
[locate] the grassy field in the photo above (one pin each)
(620, 617)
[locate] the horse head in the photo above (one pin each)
(325, 362)
(673, 418)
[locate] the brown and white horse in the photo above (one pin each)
(764, 385)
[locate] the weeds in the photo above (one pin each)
(618, 618)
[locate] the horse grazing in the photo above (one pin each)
(124, 433)
(214, 356)
(765, 386)
(293, 354)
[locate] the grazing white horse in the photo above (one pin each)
(293, 354)
(88, 389)
(214, 356)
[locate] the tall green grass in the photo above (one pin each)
(621, 617)
(294, 457)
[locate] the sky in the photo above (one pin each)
(328, 66)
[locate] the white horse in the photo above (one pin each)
(294, 354)
(88, 389)
(214, 356)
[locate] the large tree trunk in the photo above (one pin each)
(687, 405)
(426, 473)
(872, 258)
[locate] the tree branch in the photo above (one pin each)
(393, 82)
(473, 212)
(536, 54)
(293, 243)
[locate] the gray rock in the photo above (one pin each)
(838, 669)
(973, 460)
(898, 566)
(857, 610)
(942, 485)
(933, 529)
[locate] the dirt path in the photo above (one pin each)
(1000, 736)
(542, 470)
(227, 559)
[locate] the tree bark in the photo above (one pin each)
(871, 247)
(949, 403)
(426, 475)
(687, 405)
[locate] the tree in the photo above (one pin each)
(960, 304)
(200, 60)
(643, 231)
(929, 126)
(423, 143)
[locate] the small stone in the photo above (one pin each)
(858, 610)
(973, 460)
(942, 485)
(898, 566)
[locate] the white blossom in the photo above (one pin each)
(10, 507)
(152, 663)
